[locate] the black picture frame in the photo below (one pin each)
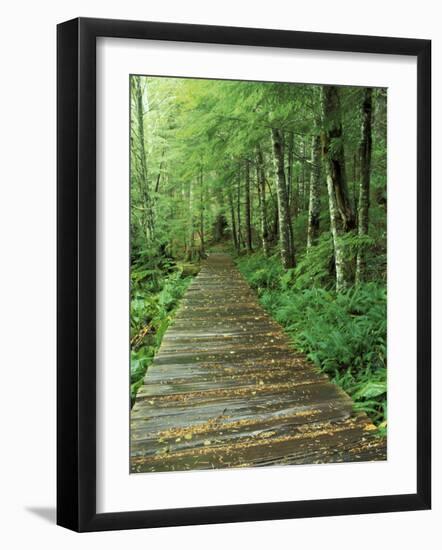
(77, 287)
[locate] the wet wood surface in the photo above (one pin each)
(227, 389)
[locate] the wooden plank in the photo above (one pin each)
(226, 389)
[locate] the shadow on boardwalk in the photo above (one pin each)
(226, 389)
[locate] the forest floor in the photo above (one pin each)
(227, 389)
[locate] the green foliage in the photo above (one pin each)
(262, 272)
(315, 268)
(190, 142)
(343, 334)
(154, 299)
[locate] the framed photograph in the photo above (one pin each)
(243, 274)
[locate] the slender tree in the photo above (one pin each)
(286, 246)
(147, 207)
(314, 207)
(238, 214)
(304, 175)
(335, 155)
(248, 207)
(261, 183)
(289, 170)
(364, 182)
(334, 167)
(202, 209)
(233, 221)
(190, 244)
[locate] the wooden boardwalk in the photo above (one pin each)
(226, 389)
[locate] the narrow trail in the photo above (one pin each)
(226, 389)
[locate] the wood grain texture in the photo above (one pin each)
(226, 389)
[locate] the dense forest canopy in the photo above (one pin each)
(291, 179)
(215, 157)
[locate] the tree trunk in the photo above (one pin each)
(289, 172)
(260, 179)
(314, 207)
(332, 149)
(341, 279)
(144, 182)
(290, 150)
(202, 243)
(364, 182)
(157, 185)
(238, 210)
(190, 245)
(248, 209)
(335, 155)
(303, 176)
(286, 246)
(275, 231)
(355, 179)
(273, 218)
(232, 221)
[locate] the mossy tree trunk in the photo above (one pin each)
(143, 180)
(261, 184)
(289, 170)
(335, 155)
(364, 181)
(314, 207)
(341, 215)
(285, 241)
(248, 208)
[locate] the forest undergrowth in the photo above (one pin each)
(157, 284)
